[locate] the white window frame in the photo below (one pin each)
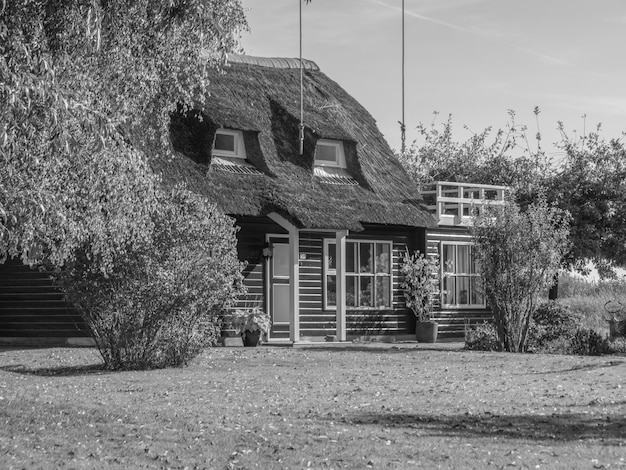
(340, 160)
(327, 271)
(240, 148)
(443, 273)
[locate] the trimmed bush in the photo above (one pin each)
(482, 337)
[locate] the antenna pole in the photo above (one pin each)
(301, 89)
(402, 124)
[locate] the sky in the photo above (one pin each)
(472, 59)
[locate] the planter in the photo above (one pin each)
(251, 339)
(426, 331)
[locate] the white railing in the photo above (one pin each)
(454, 203)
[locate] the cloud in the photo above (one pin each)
(544, 57)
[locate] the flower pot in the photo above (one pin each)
(252, 338)
(426, 331)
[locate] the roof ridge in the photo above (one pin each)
(272, 62)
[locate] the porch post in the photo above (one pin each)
(341, 283)
(294, 284)
(294, 274)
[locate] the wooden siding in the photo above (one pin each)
(31, 307)
(250, 241)
(315, 320)
(453, 321)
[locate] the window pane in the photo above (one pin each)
(280, 260)
(351, 291)
(383, 292)
(366, 258)
(462, 285)
(326, 153)
(366, 293)
(225, 142)
(474, 261)
(449, 290)
(477, 297)
(331, 291)
(383, 258)
(350, 257)
(462, 260)
(331, 256)
(448, 258)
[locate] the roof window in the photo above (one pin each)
(330, 153)
(229, 143)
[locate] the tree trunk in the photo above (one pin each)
(553, 293)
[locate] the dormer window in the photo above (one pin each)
(229, 143)
(330, 153)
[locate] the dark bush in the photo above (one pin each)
(482, 337)
(587, 342)
(552, 327)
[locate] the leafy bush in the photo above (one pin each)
(553, 325)
(156, 303)
(420, 283)
(587, 342)
(482, 337)
(618, 345)
(518, 252)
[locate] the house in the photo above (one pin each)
(325, 210)
(460, 300)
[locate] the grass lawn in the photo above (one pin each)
(314, 408)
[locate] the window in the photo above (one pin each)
(368, 274)
(330, 153)
(461, 281)
(229, 143)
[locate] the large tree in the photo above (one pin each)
(87, 89)
(502, 157)
(86, 81)
(591, 185)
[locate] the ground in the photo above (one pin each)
(275, 408)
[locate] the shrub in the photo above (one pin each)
(482, 337)
(587, 342)
(518, 252)
(157, 304)
(618, 345)
(420, 283)
(553, 325)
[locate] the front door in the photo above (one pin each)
(279, 288)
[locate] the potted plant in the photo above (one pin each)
(251, 324)
(421, 282)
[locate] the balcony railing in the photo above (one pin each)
(454, 203)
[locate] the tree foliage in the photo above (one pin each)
(485, 158)
(518, 253)
(591, 185)
(84, 81)
(87, 89)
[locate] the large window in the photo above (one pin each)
(461, 281)
(368, 274)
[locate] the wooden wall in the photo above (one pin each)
(453, 321)
(31, 307)
(317, 321)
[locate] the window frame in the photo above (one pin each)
(327, 271)
(340, 160)
(456, 275)
(240, 148)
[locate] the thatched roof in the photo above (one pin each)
(261, 97)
